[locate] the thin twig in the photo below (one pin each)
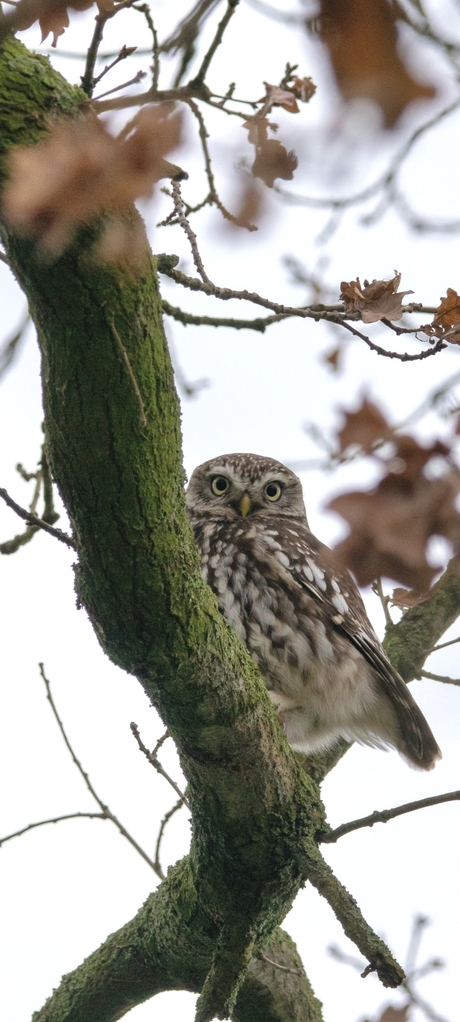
(213, 196)
(419, 924)
(132, 81)
(124, 353)
(426, 1008)
(378, 590)
(260, 324)
(105, 809)
(381, 182)
(200, 77)
(226, 294)
(35, 521)
(50, 515)
(180, 213)
(87, 79)
(188, 29)
(145, 10)
(383, 815)
(55, 819)
(283, 968)
(152, 758)
(10, 346)
(164, 822)
(442, 645)
(126, 51)
(444, 678)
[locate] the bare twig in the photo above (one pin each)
(104, 808)
(126, 51)
(164, 822)
(180, 213)
(260, 325)
(87, 80)
(231, 8)
(385, 184)
(383, 815)
(213, 197)
(442, 645)
(36, 522)
(190, 388)
(54, 819)
(413, 973)
(50, 515)
(378, 590)
(419, 1002)
(132, 81)
(419, 924)
(145, 10)
(188, 29)
(312, 312)
(124, 354)
(152, 758)
(440, 677)
(283, 968)
(11, 345)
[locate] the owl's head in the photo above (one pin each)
(242, 486)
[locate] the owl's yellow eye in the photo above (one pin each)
(273, 491)
(219, 485)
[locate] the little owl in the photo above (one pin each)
(303, 622)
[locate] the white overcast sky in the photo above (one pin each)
(63, 889)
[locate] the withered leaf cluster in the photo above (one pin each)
(377, 300)
(446, 321)
(272, 159)
(81, 169)
(390, 526)
(361, 38)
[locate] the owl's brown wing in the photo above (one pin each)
(344, 608)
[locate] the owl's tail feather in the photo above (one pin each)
(409, 732)
(413, 737)
(418, 746)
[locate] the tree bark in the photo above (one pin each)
(113, 444)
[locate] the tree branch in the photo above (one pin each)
(445, 679)
(200, 77)
(383, 815)
(153, 759)
(255, 813)
(260, 325)
(35, 522)
(54, 819)
(410, 640)
(166, 265)
(106, 812)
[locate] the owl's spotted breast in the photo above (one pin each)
(304, 624)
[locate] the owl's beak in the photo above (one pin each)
(245, 504)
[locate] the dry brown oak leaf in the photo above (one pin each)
(80, 169)
(364, 428)
(446, 320)
(392, 524)
(378, 300)
(361, 39)
(272, 159)
(52, 16)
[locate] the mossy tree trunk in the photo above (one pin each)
(113, 443)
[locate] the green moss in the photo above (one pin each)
(114, 447)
